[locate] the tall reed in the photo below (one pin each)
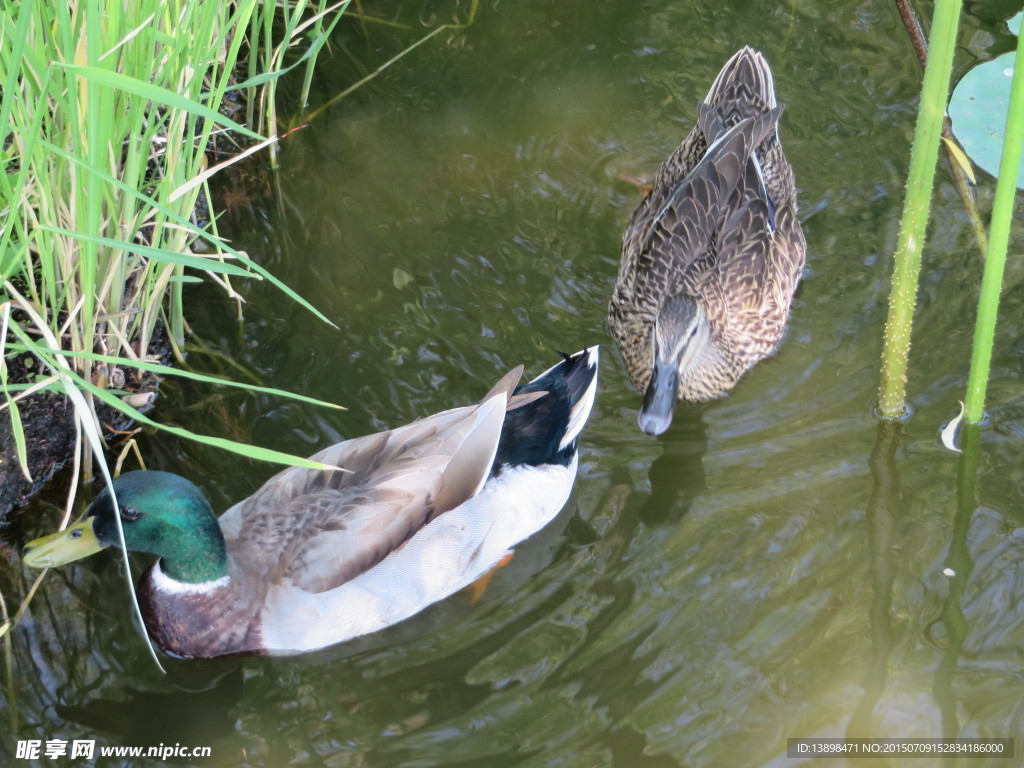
(998, 242)
(106, 116)
(916, 206)
(108, 112)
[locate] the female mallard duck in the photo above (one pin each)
(316, 557)
(713, 254)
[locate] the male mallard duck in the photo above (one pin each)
(316, 557)
(713, 254)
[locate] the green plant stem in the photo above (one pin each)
(916, 206)
(963, 185)
(8, 651)
(999, 238)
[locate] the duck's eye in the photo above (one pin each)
(130, 514)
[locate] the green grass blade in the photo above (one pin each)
(17, 429)
(157, 94)
(293, 295)
(998, 243)
(183, 373)
(26, 387)
(249, 451)
(204, 263)
(19, 38)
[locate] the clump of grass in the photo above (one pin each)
(107, 114)
(296, 20)
(106, 117)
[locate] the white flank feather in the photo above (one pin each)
(448, 554)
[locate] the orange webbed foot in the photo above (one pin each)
(476, 589)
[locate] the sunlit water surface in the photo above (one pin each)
(703, 597)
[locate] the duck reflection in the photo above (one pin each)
(677, 475)
(195, 712)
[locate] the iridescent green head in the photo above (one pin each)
(161, 513)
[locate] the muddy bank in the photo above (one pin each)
(48, 421)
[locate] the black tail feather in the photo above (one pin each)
(545, 431)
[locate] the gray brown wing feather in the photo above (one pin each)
(676, 245)
(740, 254)
(683, 232)
(319, 529)
(790, 254)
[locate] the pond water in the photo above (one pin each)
(771, 568)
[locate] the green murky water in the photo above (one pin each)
(753, 576)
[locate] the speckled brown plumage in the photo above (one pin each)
(716, 230)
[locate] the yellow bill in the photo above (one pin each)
(73, 543)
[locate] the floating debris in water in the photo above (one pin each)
(951, 432)
(140, 400)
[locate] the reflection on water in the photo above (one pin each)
(178, 715)
(768, 569)
(677, 475)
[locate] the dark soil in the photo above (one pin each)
(48, 422)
